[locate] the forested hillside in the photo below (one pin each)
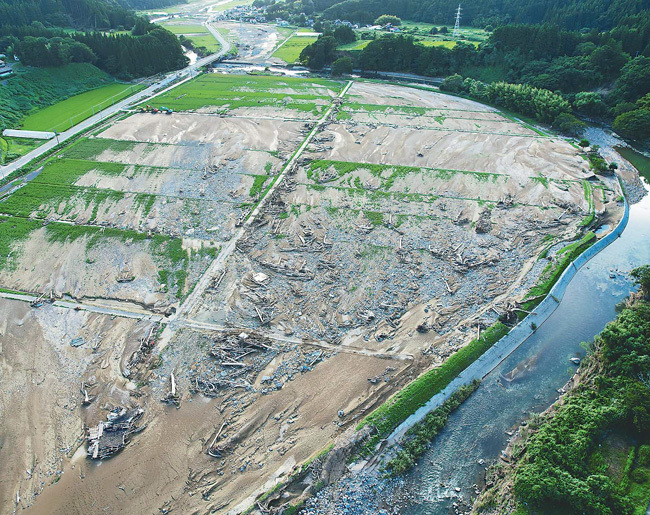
(96, 14)
(570, 14)
(147, 50)
(86, 14)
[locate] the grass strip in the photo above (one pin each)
(342, 168)
(553, 271)
(417, 393)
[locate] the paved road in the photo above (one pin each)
(154, 90)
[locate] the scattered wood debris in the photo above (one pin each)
(108, 438)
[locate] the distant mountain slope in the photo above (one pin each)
(149, 4)
(65, 13)
(571, 14)
(95, 14)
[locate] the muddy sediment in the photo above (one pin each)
(392, 239)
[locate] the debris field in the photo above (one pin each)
(308, 247)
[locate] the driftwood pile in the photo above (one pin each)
(173, 396)
(146, 346)
(234, 364)
(300, 273)
(111, 436)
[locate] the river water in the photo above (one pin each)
(477, 430)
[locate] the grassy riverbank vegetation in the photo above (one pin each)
(416, 394)
(554, 269)
(417, 438)
(591, 452)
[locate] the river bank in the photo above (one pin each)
(540, 452)
(452, 472)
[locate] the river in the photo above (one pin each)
(478, 429)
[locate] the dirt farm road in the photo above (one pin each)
(150, 92)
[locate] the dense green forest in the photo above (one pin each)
(569, 14)
(592, 453)
(95, 14)
(86, 14)
(147, 49)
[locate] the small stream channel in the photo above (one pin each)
(477, 430)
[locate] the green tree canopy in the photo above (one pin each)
(385, 19)
(343, 65)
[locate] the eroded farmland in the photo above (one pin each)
(321, 243)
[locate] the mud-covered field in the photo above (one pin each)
(137, 210)
(319, 253)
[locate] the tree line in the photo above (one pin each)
(96, 14)
(569, 14)
(146, 50)
(86, 14)
(601, 75)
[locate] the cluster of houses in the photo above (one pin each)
(5, 69)
(244, 13)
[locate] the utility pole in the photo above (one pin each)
(456, 33)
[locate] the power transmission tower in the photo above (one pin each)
(456, 33)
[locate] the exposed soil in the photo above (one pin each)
(336, 274)
(41, 418)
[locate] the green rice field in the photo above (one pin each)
(446, 44)
(186, 29)
(233, 91)
(208, 41)
(357, 45)
(68, 171)
(63, 115)
(53, 193)
(289, 52)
